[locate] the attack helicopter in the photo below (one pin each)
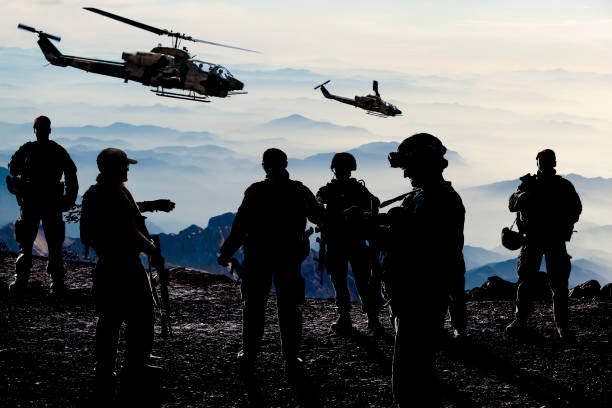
(373, 104)
(163, 68)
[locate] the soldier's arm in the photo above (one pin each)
(164, 205)
(72, 183)
(321, 196)
(238, 231)
(17, 163)
(314, 207)
(574, 203)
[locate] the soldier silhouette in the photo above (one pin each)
(36, 169)
(270, 224)
(547, 208)
(346, 241)
(112, 224)
(423, 239)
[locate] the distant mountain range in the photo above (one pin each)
(582, 271)
(198, 247)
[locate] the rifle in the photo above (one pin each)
(161, 278)
(236, 270)
(322, 258)
(392, 200)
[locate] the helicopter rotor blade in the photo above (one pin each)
(27, 28)
(324, 83)
(218, 44)
(146, 27)
(40, 33)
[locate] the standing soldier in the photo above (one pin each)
(346, 241)
(111, 223)
(270, 224)
(547, 208)
(423, 239)
(37, 169)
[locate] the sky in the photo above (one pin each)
(497, 81)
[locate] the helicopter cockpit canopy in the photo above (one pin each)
(221, 71)
(212, 68)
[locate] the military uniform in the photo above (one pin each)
(548, 207)
(424, 266)
(42, 197)
(346, 243)
(113, 226)
(270, 224)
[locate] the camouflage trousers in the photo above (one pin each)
(456, 301)
(255, 289)
(558, 268)
(122, 295)
(26, 230)
(338, 258)
(418, 324)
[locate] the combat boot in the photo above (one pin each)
(57, 287)
(516, 328)
(459, 333)
(374, 325)
(104, 389)
(19, 285)
(246, 371)
(565, 334)
(343, 325)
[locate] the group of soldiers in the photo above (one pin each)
(420, 243)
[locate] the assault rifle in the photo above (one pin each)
(156, 261)
(160, 278)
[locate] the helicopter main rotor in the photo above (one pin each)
(176, 35)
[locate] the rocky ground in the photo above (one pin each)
(46, 352)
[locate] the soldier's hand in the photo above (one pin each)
(164, 205)
(223, 260)
(67, 203)
(150, 247)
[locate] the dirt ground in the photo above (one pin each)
(46, 352)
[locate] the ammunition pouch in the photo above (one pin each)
(14, 185)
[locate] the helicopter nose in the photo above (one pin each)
(237, 85)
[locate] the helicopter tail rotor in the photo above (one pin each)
(375, 87)
(40, 33)
(324, 83)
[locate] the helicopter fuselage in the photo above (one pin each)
(371, 103)
(165, 67)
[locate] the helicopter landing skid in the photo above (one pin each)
(380, 115)
(191, 96)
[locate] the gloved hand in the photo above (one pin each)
(223, 260)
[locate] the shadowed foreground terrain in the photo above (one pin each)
(46, 352)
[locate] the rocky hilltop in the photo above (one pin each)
(46, 351)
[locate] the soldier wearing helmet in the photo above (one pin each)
(269, 225)
(424, 266)
(36, 172)
(547, 208)
(346, 241)
(112, 224)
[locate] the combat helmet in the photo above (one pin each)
(421, 147)
(343, 160)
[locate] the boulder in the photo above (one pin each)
(606, 292)
(589, 289)
(495, 288)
